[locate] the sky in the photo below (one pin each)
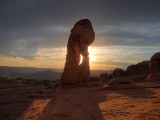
(34, 33)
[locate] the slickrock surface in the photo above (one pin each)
(118, 102)
(84, 103)
(17, 100)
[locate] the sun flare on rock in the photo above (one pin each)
(92, 57)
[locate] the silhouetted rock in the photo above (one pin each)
(139, 68)
(154, 66)
(82, 35)
(118, 73)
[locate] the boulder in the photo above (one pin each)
(138, 69)
(154, 66)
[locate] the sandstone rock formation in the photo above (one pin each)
(118, 73)
(154, 66)
(138, 69)
(82, 35)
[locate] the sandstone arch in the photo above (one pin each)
(82, 35)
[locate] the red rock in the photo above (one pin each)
(154, 66)
(138, 69)
(82, 35)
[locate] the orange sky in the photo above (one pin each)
(34, 33)
(102, 58)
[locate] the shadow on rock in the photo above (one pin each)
(75, 104)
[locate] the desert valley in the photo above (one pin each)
(96, 100)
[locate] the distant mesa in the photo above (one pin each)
(82, 35)
(154, 66)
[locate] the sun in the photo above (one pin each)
(91, 57)
(91, 54)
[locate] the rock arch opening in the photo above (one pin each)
(81, 59)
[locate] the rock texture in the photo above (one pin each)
(138, 69)
(154, 66)
(118, 73)
(82, 35)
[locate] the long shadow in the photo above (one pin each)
(11, 109)
(12, 102)
(88, 103)
(75, 104)
(15, 99)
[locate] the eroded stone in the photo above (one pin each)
(82, 35)
(154, 66)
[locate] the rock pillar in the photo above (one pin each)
(82, 35)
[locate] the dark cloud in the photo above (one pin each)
(129, 35)
(46, 23)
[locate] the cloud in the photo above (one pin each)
(26, 43)
(106, 57)
(110, 57)
(28, 25)
(129, 35)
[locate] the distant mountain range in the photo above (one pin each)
(30, 72)
(43, 75)
(38, 73)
